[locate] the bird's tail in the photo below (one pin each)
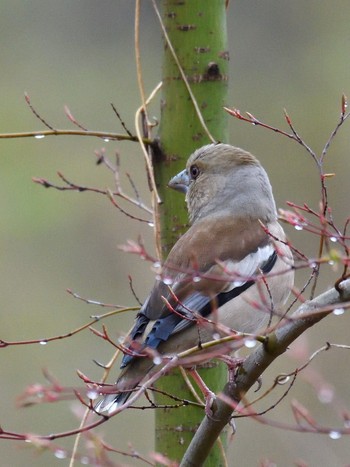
(111, 402)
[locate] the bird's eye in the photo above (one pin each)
(194, 171)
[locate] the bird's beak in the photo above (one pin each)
(180, 182)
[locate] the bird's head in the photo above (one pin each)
(220, 179)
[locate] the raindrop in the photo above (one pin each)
(43, 342)
(167, 280)
(106, 140)
(333, 239)
(338, 311)
(60, 454)
(313, 265)
(331, 262)
(151, 224)
(39, 136)
(298, 227)
(216, 336)
(156, 264)
(283, 379)
(334, 434)
(92, 395)
(157, 360)
(196, 279)
(325, 395)
(250, 343)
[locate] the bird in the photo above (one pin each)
(209, 282)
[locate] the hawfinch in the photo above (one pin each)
(209, 285)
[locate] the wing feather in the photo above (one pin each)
(222, 281)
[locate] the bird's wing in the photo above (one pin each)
(214, 260)
(206, 258)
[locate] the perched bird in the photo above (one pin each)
(213, 270)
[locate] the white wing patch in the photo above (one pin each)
(247, 267)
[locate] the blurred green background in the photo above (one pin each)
(284, 54)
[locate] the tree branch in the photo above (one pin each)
(99, 134)
(308, 314)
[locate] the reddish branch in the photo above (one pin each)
(277, 343)
(317, 222)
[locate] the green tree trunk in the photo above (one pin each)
(197, 31)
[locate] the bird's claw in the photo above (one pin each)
(210, 397)
(232, 364)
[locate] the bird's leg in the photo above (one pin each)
(232, 424)
(207, 393)
(233, 364)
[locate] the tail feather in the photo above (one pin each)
(111, 402)
(129, 378)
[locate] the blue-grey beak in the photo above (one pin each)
(180, 182)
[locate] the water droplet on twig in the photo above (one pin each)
(334, 434)
(60, 454)
(92, 395)
(250, 343)
(338, 311)
(167, 280)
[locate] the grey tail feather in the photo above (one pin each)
(110, 402)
